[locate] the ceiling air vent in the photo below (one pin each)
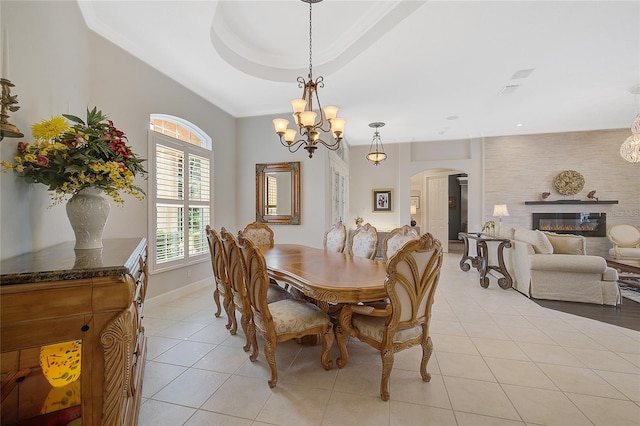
(522, 73)
(507, 90)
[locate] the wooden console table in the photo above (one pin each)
(481, 260)
(92, 299)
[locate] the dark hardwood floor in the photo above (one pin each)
(626, 315)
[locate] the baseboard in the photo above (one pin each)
(172, 295)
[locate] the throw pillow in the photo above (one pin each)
(506, 232)
(567, 243)
(537, 239)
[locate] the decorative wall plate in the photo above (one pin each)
(569, 182)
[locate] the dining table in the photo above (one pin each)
(329, 277)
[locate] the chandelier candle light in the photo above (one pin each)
(310, 123)
(376, 150)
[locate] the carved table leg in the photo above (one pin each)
(483, 263)
(342, 332)
(465, 255)
(507, 281)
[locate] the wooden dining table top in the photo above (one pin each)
(326, 276)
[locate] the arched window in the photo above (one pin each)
(181, 198)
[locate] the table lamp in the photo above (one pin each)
(414, 210)
(500, 210)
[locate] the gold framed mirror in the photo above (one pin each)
(278, 193)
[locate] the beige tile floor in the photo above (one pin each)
(499, 359)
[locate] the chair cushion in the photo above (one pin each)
(567, 243)
(537, 239)
(373, 328)
(625, 252)
(296, 315)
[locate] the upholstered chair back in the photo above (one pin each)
(364, 241)
(412, 277)
(396, 239)
(626, 241)
(259, 233)
(335, 238)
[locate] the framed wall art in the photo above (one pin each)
(382, 200)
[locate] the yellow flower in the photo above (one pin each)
(49, 129)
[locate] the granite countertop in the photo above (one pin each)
(61, 262)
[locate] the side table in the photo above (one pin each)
(481, 260)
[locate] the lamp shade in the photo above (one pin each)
(280, 124)
(500, 210)
(414, 210)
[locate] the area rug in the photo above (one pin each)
(629, 286)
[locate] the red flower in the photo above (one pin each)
(42, 161)
(120, 148)
(119, 133)
(22, 147)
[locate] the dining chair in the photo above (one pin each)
(262, 235)
(412, 277)
(335, 238)
(363, 241)
(259, 233)
(236, 273)
(395, 239)
(282, 320)
(221, 287)
(236, 270)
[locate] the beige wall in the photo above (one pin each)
(59, 66)
(520, 168)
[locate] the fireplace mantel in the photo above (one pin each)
(571, 202)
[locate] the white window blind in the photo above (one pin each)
(181, 201)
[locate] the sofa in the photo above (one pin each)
(546, 265)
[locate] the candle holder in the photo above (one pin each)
(9, 103)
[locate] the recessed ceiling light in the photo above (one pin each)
(452, 117)
(519, 125)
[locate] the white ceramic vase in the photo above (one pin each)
(88, 211)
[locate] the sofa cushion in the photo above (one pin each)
(536, 238)
(569, 263)
(506, 232)
(567, 243)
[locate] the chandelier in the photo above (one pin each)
(309, 122)
(376, 150)
(630, 149)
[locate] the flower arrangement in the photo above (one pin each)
(69, 158)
